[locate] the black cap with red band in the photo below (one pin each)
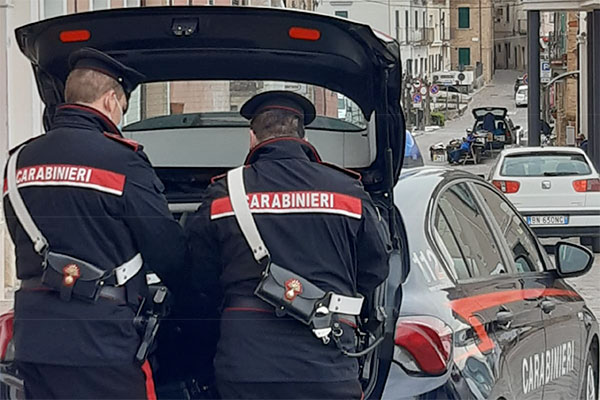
(279, 100)
(89, 58)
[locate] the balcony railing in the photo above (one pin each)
(523, 26)
(428, 35)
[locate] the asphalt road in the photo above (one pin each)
(500, 93)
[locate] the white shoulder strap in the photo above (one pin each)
(40, 244)
(243, 215)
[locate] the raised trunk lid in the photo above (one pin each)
(236, 43)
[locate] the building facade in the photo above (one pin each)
(471, 37)
(421, 27)
(510, 35)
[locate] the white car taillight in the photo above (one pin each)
(424, 344)
(586, 185)
(507, 186)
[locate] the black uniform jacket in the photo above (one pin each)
(94, 196)
(316, 220)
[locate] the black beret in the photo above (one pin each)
(279, 100)
(96, 60)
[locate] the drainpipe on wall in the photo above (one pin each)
(583, 78)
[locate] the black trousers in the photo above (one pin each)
(44, 381)
(346, 390)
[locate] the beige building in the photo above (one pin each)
(564, 93)
(472, 36)
(510, 35)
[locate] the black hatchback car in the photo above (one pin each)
(464, 308)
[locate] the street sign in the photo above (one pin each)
(525, 79)
(417, 83)
(545, 72)
(435, 89)
(423, 90)
(417, 98)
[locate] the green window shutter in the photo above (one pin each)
(464, 56)
(464, 17)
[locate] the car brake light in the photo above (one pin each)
(428, 340)
(304, 34)
(80, 35)
(587, 185)
(507, 186)
(6, 333)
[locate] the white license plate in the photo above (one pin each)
(500, 138)
(439, 158)
(548, 220)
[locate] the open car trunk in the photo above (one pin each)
(236, 44)
(497, 112)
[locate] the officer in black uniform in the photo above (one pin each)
(317, 221)
(95, 197)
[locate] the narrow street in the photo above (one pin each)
(501, 93)
(498, 93)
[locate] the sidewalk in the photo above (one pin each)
(433, 128)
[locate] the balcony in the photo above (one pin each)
(428, 36)
(522, 26)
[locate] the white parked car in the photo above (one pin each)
(521, 96)
(556, 189)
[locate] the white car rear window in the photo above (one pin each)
(545, 164)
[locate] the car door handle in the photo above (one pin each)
(547, 306)
(504, 318)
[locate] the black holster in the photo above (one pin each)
(291, 294)
(72, 277)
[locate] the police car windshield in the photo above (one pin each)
(198, 104)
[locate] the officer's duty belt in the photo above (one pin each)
(242, 303)
(113, 293)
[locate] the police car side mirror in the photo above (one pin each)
(572, 260)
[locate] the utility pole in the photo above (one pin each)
(533, 76)
(427, 100)
(593, 134)
(447, 97)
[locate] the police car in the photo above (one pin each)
(485, 312)
(451, 330)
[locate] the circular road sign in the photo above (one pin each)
(423, 91)
(417, 98)
(435, 89)
(416, 83)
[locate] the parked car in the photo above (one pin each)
(200, 65)
(412, 153)
(483, 304)
(520, 81)
(495, 122)
(557, 190)
(521, 96)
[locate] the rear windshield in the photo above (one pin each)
(545, 164)
(522, 91)
(197, 104)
